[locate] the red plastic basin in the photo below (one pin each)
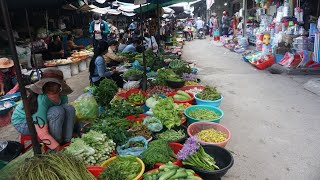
(181, 102)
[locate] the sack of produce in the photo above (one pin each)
(86, 107)
(153, 124)
(135, 146)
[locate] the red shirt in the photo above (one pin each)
(10, 73)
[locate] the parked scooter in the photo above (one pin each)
(201, 34)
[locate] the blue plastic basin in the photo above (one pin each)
(215, 103)
(211, 108)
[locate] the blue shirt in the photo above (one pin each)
(130, 48)
(132, 26)
(100, 70)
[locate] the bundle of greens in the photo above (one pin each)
(55, 166)
(209, 93)
(93, 147)
(121, 108)
(115, 128)
(169, 113)
(164, 75)
(150, 58)
(122, 168)
(132, 72)
(105, 92)
(158, 152)
(193, 154)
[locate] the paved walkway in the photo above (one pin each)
(274, 121)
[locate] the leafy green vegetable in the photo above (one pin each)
(136, 98)
(122, 109)
(122, 168)
(209, 93)
(169, 113)
(164, 75)
(158, 152)
(171, 135)
(203, 114)
(114, 127)
(132, 72)
(105, 92)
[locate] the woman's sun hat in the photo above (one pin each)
(6, 63)
(51, 75)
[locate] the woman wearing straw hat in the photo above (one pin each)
(8, 80)
(52, 116)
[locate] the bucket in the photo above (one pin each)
(82, 65)
(74, 69)
(66, 70)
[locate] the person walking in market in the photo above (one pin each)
(99, 29)
(225, 23)
(214, 24)
(52, 116)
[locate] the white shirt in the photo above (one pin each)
(97, 27)
(199, 24)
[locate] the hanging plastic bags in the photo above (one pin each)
(86, 107)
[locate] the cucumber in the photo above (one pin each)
(182, 93)
(193, 178)
(180, 97)
(168, 166)
(181, 174)
(168, 174)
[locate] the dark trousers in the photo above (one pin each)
(225, 31)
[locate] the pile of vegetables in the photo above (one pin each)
(164, 75)
(93, 147)
(203, 114)
(115, 128)
(180, 67)
(150, 58)
(141, 130)
(122, 108)
(55, 166)
(171, 135)
(159, 90)
(130, 56)
(132, 72)
(211, 136)
(169, 113)
(136, 98)
(170, 171)
(193, 154)
(121, 168)
(181, 96)
(105, 92)
(209, 93)
(158, 152)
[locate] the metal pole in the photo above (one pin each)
(33, 58)
(244, 18)
(144, 79)
(32, 130)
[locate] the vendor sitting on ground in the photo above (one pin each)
(110, 57)
(8, 79)
(51, 114)
(55, 48)
(71, 46)
(97, 66)
(122, 43)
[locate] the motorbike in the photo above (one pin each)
(201, 34)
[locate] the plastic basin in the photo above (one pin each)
(11, 151)
(136, 91)
(175, 84)
(135, 118)
(181, 102)
(196, 127)
(224, 161)
(182, 140)
(176, 147)
(211, 108)
(107, 162)
(157, 169)
(215, 103)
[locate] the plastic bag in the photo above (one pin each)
(134, 151)
(86, 107)
(131, 85)
(153, 124)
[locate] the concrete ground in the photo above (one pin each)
(77, 83)
(274, 121)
